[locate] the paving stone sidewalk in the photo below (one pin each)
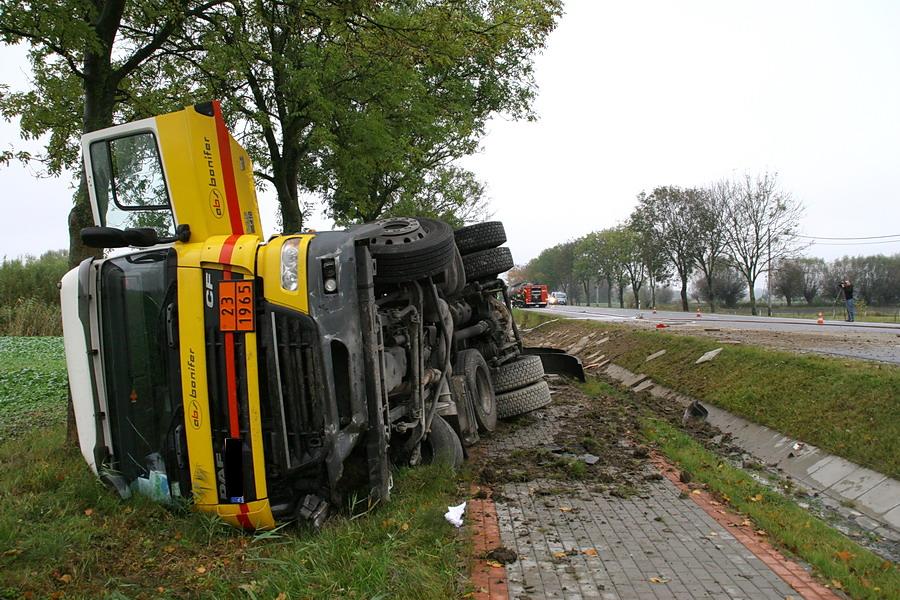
(655, 545)
(575, 542)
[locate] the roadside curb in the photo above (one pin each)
(488, 577)
(789, 571)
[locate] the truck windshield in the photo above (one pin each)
(129, 184)
(137, 295)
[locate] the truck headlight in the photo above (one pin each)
(290, 274)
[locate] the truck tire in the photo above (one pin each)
(480, 236)
(488, 263)
(471, 365)
(442, 445)
(519, 373)
(407, 249)
(453, 280)
(523, 400)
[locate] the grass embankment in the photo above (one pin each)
(842, 563)
(844, 406)
(63, 534)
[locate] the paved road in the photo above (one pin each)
(719, 320)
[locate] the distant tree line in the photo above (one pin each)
(29, 294)
(721, 238)
(876, 279)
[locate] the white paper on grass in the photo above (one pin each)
(454, 514)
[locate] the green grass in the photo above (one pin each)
(62, 532)
(846, 407)
(837, 559)
(33, 384)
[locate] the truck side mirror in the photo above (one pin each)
(103, 237)
(111, 237)
(141, 237)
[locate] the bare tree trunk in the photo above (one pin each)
(288, 198)
(711, 293)
(752, 299)
(684, 296)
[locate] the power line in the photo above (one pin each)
(854, 243)
(871, 237)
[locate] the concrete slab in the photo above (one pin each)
(654, 355)
(659, 391)
(881, 498)
(830, 470)
(580, 345)
(647, 383)
(708, 356)
(855, 484)
(616, 372)
(634, 380)
(892, 518)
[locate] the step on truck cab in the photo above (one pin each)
(268, 379)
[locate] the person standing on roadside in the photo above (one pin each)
(848, 297)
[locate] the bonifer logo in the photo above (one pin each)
(216, 205)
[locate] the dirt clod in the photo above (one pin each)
(502, 555)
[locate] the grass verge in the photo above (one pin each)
(63, 534)
(845, 407)
(841, 562)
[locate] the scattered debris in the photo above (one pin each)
(502, 555)
(581, 345)
(539, 325)
(454, 514)
(589, 459)
(694, 411)
(654, 355)
(708, 356)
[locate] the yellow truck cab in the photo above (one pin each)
(266, 379)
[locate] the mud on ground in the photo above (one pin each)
(596, 440)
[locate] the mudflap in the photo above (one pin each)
(558, 361)
(461, 416)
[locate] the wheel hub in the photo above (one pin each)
(398, 231)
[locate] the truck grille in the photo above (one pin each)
(292, 403)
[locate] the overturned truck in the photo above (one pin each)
(262, 379)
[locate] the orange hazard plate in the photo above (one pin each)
(236, 305)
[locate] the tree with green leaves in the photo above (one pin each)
(788, 280)
(657, 261)
(813, 277)
(100, 59)
(670, 211)
(627, 244)
(368, 104)
(554, 266)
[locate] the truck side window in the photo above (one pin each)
(129, 183)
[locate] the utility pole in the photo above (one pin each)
(769, 272)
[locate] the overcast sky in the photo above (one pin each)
(643, 93)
